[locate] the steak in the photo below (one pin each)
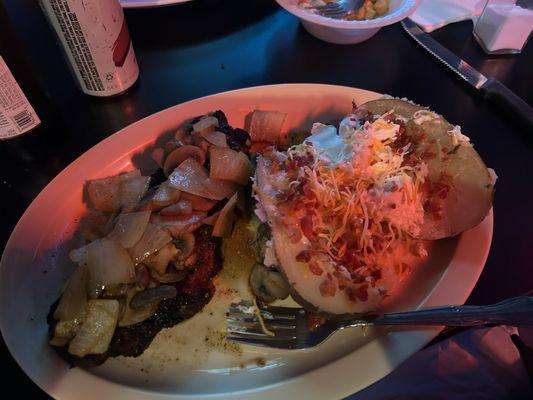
(194, 292)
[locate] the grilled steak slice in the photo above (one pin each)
(193, 294)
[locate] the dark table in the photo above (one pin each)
(205, 47)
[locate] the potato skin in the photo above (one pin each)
(453, 164)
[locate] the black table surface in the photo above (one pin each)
(204, 47)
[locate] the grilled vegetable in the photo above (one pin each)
(268, 284)
(229, 165)
(129, 228)
(109, 194)
(265, 126)
(180, 154)
(97, 330)
(153, 239)
(109, 264)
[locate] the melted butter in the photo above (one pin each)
(192, 342)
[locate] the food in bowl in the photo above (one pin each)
(339, 216)
(370, 9)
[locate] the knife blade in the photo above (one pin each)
(489, 88)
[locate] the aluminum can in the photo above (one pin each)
(96, 42)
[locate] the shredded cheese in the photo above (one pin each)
(364, 202)
(257, 313)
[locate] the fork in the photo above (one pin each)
(290, 325)
(339, 9)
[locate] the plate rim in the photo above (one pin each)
(293, 385)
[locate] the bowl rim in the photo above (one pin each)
(407, 7)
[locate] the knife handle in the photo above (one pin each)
(496, 91)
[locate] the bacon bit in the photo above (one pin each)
(303, 256)
(295, 236)
(357, 277)
(314, 321)
(428, 155)
(315, 268)
(342, 281)
(358, 294)
(351, 261)
(417, 249)
(306, 225)
(376, 274)
(435, 208)
(444, 150)
(327, 288)
(441, 189)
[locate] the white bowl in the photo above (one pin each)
(348, 32)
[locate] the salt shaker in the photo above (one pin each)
(504, 26)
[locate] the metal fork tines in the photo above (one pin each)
(339, 9)
(286, 324)
(289, 328)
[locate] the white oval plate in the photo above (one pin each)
(343, 365)
(149, 3)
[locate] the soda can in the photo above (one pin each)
(97, 44)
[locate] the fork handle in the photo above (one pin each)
(515, 311)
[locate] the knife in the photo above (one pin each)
(489, 88)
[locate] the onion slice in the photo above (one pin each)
(206, 124)
(133, 189)
(98, 328)
(178, 225)
(180, 154)
(217, 138)
(153, 239)
(265, 126)
(129, 228)
(160, 260)
(199, 203)
(109, 194)
(191, 177)
(229, 165)
(165, 195)
(182, 207)
(218, 189)
(109, 263)
(212, 219)
(224, 222)
(71, 307)
(104, 194)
